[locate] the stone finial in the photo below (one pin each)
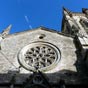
(66, 11)
(6, 31)
(85, 10)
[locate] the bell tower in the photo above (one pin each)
(76, 25)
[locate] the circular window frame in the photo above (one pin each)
(30, 68)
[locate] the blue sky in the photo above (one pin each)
(28, 14)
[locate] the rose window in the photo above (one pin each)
(39, 55)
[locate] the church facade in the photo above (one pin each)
(44, 58)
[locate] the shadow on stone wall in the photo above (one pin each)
(66, 77)
(69, 78)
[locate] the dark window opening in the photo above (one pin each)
(84, 23)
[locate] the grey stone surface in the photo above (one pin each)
(11, 46)
(73, 49)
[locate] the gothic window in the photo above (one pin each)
(68, 29)
(84, 23)
(74, 29)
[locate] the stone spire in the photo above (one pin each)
(6, 31)
(84, 10)
(67, 12)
